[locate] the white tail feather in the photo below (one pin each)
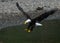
(38, 24)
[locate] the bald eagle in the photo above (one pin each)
(36, 21)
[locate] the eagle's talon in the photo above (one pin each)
(29, 30)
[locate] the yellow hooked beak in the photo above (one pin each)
(25, 22)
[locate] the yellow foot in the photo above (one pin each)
(28, 30)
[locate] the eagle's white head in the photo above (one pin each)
(27, 21)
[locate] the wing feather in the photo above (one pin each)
(19, 7)
(45, 15)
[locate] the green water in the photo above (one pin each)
(48, 33)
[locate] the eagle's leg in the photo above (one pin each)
(31, 28)
(28, 28)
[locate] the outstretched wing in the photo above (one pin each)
(45, 15)
(19, 7)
